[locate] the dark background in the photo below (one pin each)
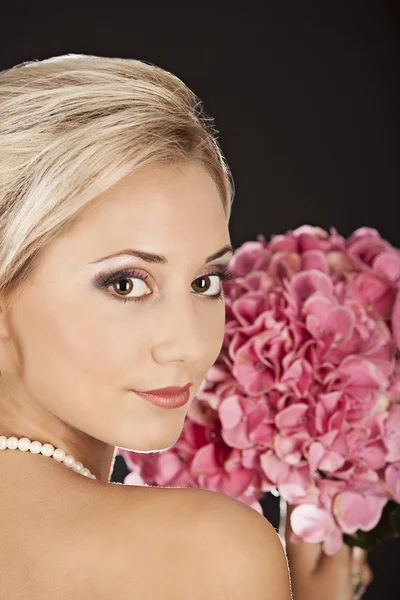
(305, 97)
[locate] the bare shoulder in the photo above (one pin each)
(246, 555)
(212, 545)
(170, 543)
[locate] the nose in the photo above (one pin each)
(184, 332)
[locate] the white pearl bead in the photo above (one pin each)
(36, 447)
(47, 449)
(78, 467)
(3, 442)
(59, 454)
(69, 461)
(24, 444)
(12, 443)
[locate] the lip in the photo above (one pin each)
(170, 397)
(169, 391)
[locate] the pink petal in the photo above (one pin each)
(331, 462)
(363, 372)
(291, 416)
(288, 449)
(375, 455)
(230, 412)
(333, 542)
(355, 511)
(314, 259)
(275, 469)
(396, 320)
(299, 487)
(299, 376)
(388, 263)
(341, 322)
(392, 423)
(315, 453)
(392, 477)
(306, 283)
(254, 376)
(205, 462)
(311, 523)
(392, 443)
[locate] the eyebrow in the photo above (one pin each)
(159, 259)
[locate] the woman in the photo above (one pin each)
(110, 173)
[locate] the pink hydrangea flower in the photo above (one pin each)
(304, 399)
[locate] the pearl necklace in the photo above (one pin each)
(24, 444)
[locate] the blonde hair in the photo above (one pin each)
(71, 126)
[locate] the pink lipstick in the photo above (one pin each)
(169, 397)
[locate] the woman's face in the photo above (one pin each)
(73, 349)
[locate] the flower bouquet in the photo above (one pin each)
(304, 398)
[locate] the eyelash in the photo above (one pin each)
(105, 280)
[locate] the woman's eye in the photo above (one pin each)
(215, 289)
(126, 287)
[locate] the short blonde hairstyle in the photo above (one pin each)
(71, 126)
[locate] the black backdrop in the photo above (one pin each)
(305, 98)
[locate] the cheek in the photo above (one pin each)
(72, 352)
